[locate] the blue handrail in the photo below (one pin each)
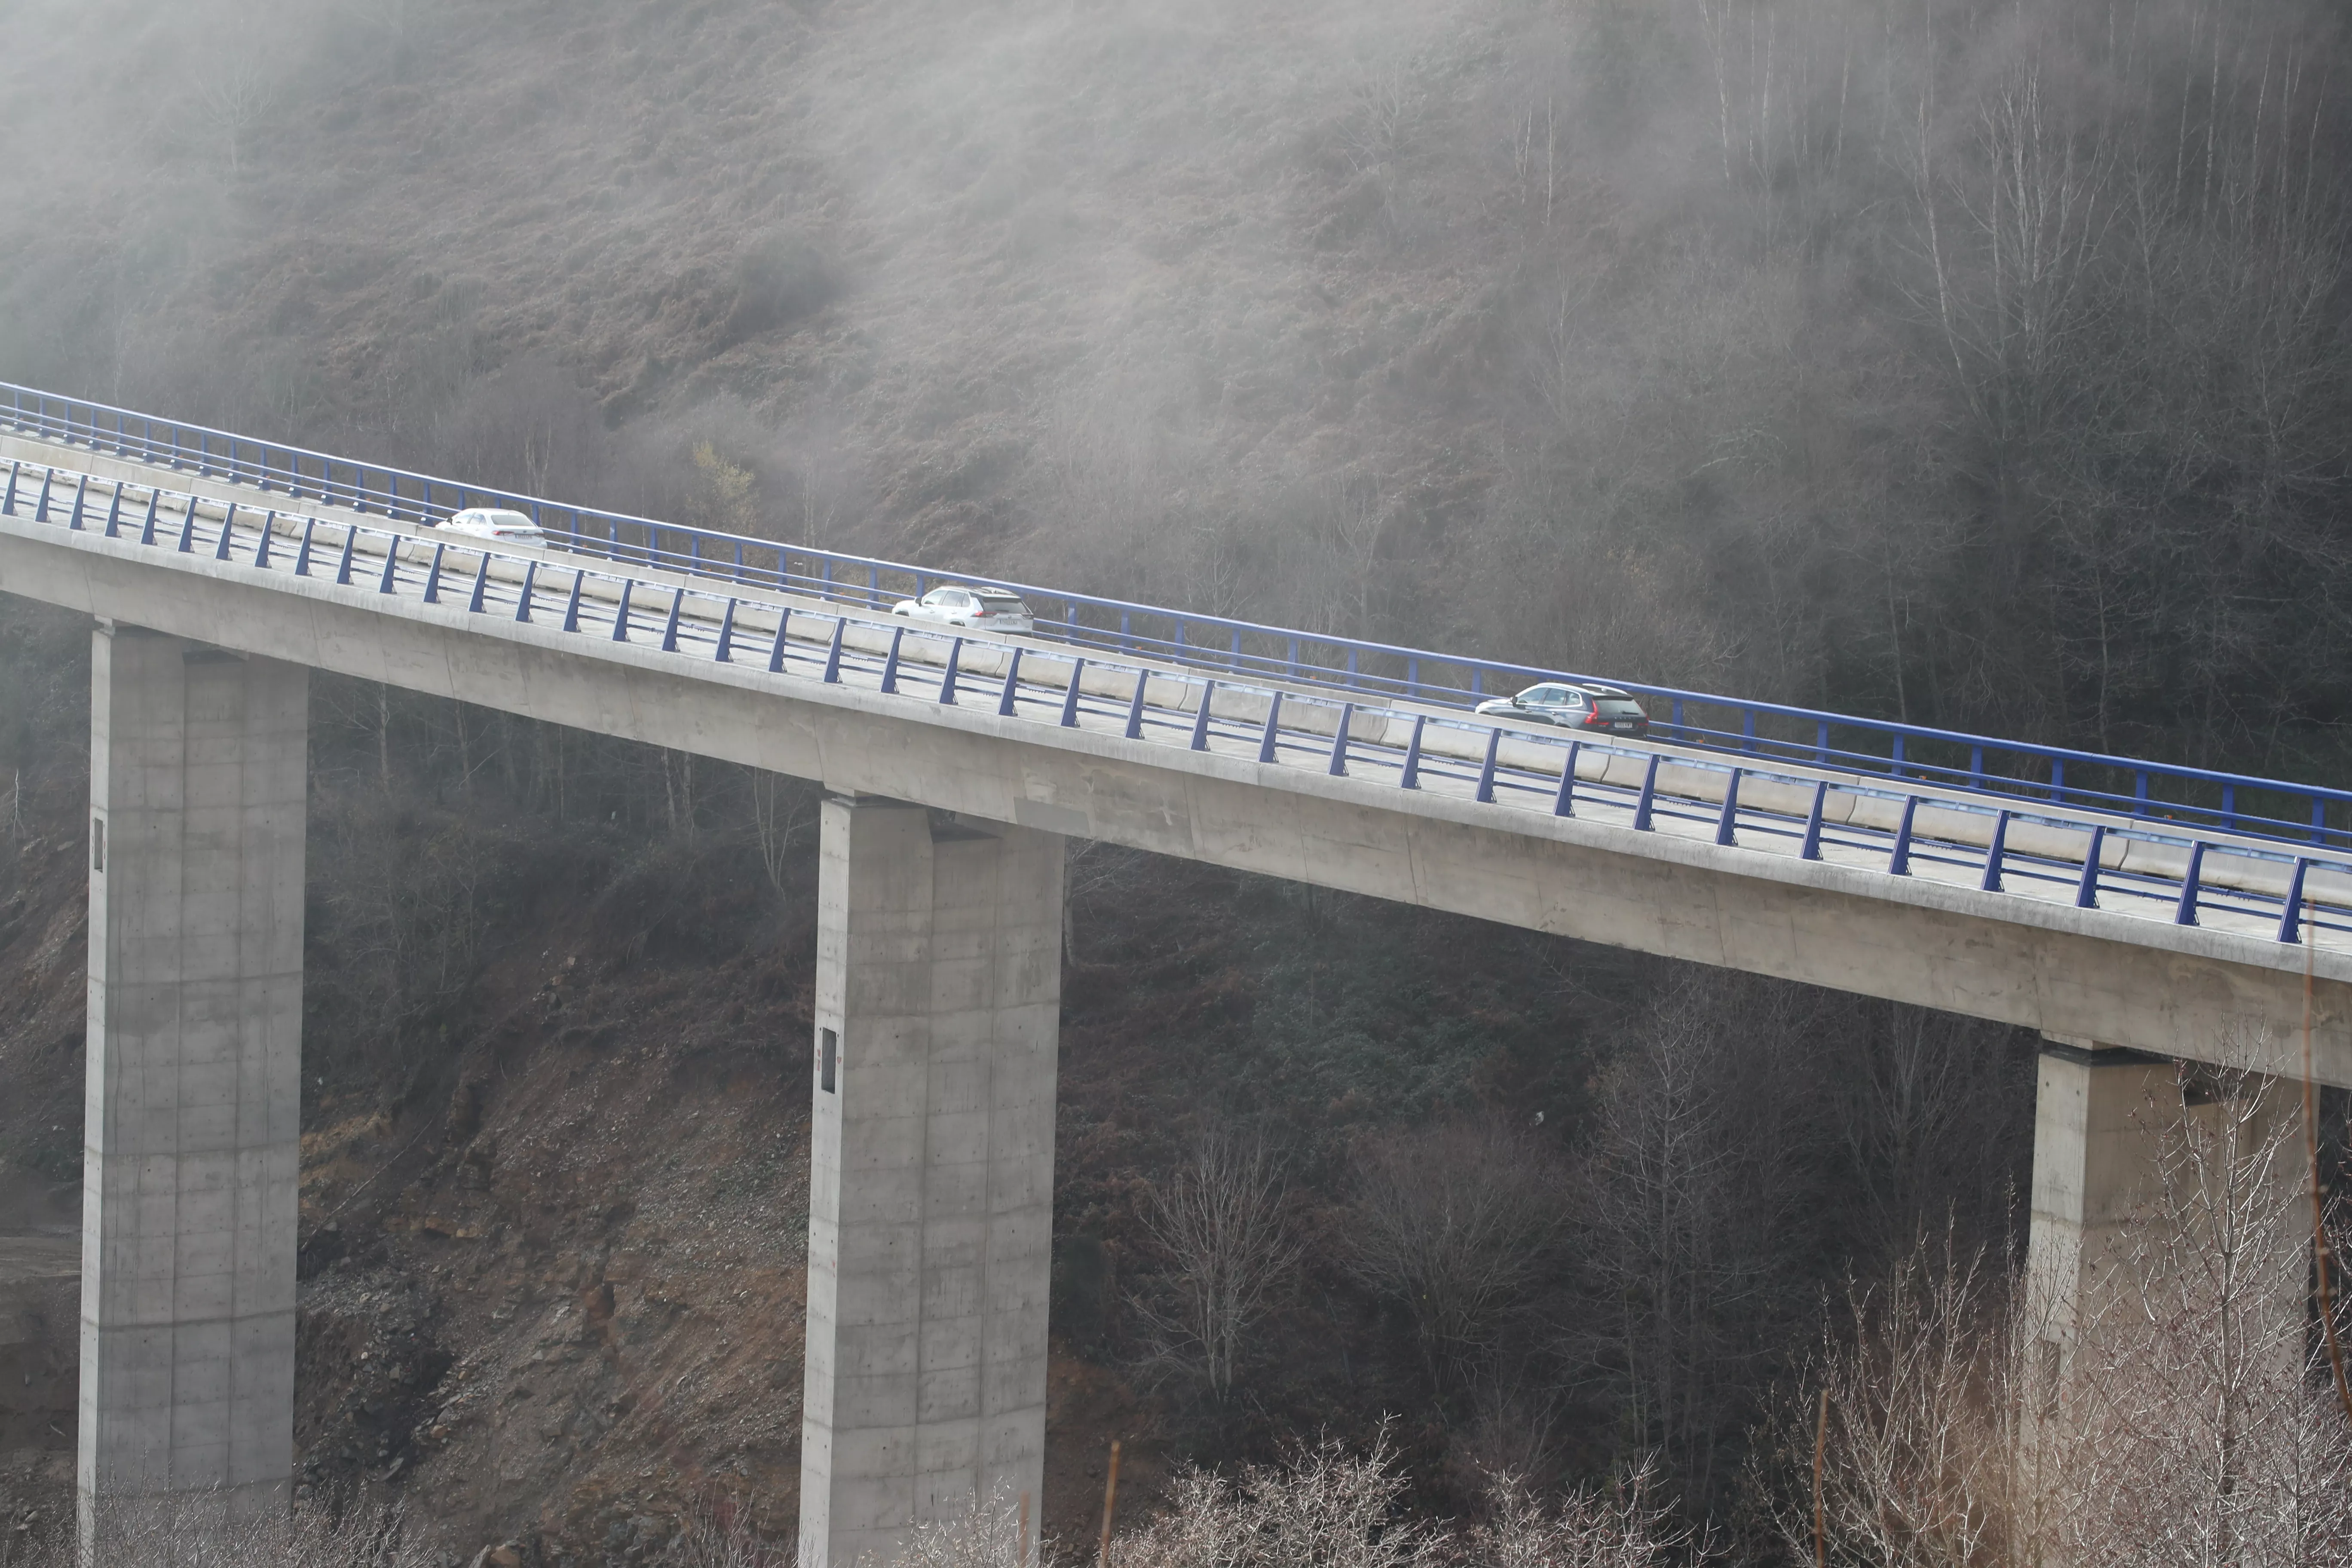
(2223, 878)
(2231, 803)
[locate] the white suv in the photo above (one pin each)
(984, 609)
(491, 522)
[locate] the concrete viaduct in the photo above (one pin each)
(956, 767)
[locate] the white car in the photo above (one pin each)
(491, 522)
(983, 609)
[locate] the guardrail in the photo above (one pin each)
(2005, 848)
(2218, 800)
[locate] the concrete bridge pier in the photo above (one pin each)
(199, 772)
(932, 1076)
(2113, 1128)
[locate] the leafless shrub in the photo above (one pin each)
(1456, 1222)
(719, 1533)
(1325, 1507)
(990, 1536)
(1922, 1445)
(200, 1529)
(1218, 1219)
(1621, 1526)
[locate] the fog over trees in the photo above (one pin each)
(1982, 363)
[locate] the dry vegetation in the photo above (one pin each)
(1980, 363)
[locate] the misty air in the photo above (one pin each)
(1173, 783)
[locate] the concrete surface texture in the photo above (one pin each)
(198, 769)
(2110, 1131)
(932, 1074)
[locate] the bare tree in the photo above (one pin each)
(1623, 1525)
(1457, 1222)
(782, 810)
(1219, 1220)
(1693, 1200)
(2183, 1427)
(2196, 1432)
(1324, 1507)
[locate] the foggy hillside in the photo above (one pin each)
(1979, 363)
(1985, 364)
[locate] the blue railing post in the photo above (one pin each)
(1008, 701)
(1070, 698)
(1811, 847)
(2185, 913)
(2290, 912)
(1563, 800)
(1821, 741)
(1411, 777)
(1486, 794)
(1727, 825)
(1135, 707)
(570, 600)
(1340, 740)
(2087, 891)
(1991, 883)
(723, 654)
(777, 650)
(1268, 740)
(832, 653)
(948, 677)
(1648, 797)
(1898, 863)
(1200, 719)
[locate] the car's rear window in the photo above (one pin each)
(1618, 707)
(1000, 602)
(507, 520)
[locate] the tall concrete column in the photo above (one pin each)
(2103, 1117)
(198, 767)
(931, 1200)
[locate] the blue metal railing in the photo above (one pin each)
(2058, 777)
(2250, 889)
